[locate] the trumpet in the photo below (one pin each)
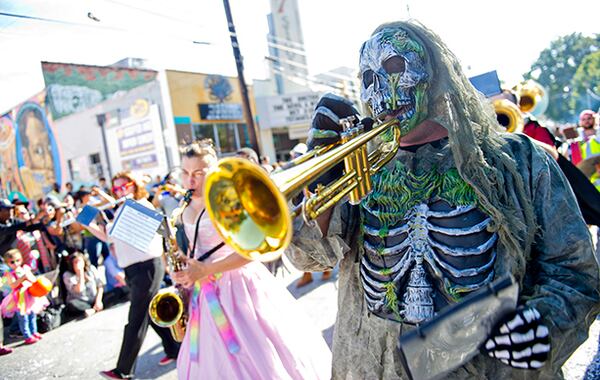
(168, 307)
(250, 210)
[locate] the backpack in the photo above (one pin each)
(49, 319)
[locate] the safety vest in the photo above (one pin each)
(588, 150)
(595, 179)
(591, 148)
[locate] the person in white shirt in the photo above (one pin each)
(143, 273)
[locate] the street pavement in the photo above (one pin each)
(80, 349)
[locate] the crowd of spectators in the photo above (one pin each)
(45, 237)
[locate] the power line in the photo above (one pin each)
(55, 21)
(93, 26)
(153, 13)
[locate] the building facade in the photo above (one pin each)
(209, 106)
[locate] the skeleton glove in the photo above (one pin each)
(326, 129)
(520, 341)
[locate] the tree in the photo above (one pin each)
(555, 68)
(586, 83)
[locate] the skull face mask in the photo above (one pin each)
(393, 76)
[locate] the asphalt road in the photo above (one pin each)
(80, 349)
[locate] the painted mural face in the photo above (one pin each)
(37, 150)
(37, 169)
(393, 76)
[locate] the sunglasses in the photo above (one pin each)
(116, 189)
(18, 261)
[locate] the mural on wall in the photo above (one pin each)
(219, 89)
(31, 161)
(74, 88)
(9, 174)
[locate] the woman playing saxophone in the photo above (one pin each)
(243, 324)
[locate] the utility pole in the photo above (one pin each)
(101, 119)
(240, 70)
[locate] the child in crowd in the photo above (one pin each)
(19, 302)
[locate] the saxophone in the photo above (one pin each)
(168, 308)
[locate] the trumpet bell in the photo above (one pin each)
(248, 210)
(509, 116)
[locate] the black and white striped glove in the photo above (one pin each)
(520, 341)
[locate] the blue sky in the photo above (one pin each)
(506, 36)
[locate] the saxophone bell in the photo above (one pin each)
(167, 310)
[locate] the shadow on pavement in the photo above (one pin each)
(328, 335)
(316, 282)
(147, 364)
(593, 370)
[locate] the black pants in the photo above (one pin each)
(77, 308)
(115, 296)
(143, 280)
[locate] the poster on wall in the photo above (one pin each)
(31, 159)
(136, 144)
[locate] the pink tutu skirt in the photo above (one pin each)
(274, 337)
(19, 301)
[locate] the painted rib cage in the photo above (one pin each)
(433, 255)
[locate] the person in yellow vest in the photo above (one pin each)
(595, 178)
(590, 160)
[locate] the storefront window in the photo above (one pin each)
(243, 134)
(227, 138)
(203, 131)
(283, 145)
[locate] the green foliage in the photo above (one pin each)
(587, 77)
(555, 68)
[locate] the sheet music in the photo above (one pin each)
(136, 225)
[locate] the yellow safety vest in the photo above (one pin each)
(595, 178)
(590, 149)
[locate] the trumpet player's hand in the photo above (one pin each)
(325, 128)
(195, 271)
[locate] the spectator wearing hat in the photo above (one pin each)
(249, 154)
(298, 150)
(9, 226)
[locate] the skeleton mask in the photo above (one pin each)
(393, 77)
